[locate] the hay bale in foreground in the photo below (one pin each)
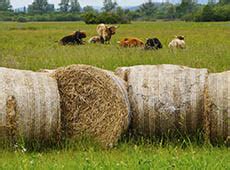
(165, 99)
(217, 101)
(29, 107)
(94, 104)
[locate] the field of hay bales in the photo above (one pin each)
(34, 46)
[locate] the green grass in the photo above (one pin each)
(125, 156)
(34, 46)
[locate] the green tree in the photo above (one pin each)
(212, 2)
(120, 11)
(224, 1)
(89, 9)
(50, 8)
(75, 6)
(5, 5)
(64, 6)
(208, 13)
(133, 15)
(39, 6)
(148, 9)
(109, 5)
(170, 11)
(186, 6)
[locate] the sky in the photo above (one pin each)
(21, 3)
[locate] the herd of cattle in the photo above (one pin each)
(105, 33)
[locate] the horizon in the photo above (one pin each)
(98, 3)
(22, 3)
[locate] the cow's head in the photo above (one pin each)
(158, 43)
(80, 34)
(149, 42)
(112, 29)
(180, 37)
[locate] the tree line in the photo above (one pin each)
(70, 10)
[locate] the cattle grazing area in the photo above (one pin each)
(36, 46)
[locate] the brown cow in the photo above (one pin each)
(75, 38)
(106, 32)
(131, 42)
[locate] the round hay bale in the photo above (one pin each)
(165, 99)
(217, 101)
(94, 104)
(29, 107)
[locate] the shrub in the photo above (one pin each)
(90, 18)
(214, 13)
(105, 17)
(22, 19)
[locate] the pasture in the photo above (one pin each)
(34, 46)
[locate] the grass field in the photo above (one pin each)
(126, 156)
(34, 46)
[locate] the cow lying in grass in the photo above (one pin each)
(75, 38)
(153, 44)
(106, 32)
(177, 42)
(131, 42)
(95, 39)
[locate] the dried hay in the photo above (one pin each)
(217, 101)
(94, 103)
(29, 107)
(165, 99)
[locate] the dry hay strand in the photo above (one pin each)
(217, 101)
(165, 99)
(29, 107)
(94, 104)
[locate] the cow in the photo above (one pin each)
(177, 42)
(75, 38)
(153, 44)
(95, 39)
(131, 42)
(106, 32)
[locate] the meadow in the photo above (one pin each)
(34, 46)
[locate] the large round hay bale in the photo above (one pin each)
(29, 107)
(165, 99)
(218, 107)
(94, 104)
